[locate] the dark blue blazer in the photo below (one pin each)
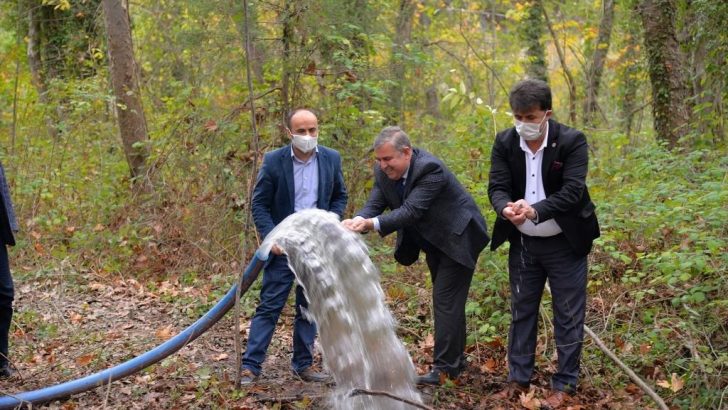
(434, 207)
(563, 171)
(273, 197)
(8, 224)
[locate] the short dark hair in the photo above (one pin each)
(295, 111)
(395, 135)
(528, 94)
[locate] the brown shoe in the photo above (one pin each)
(310, 375)
(556, 399)
(247, 377)
(512, 389)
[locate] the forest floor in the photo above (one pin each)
(70, 324)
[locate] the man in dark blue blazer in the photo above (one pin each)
(298, 176)
(538, 190)
(431, 212)
(8, 225)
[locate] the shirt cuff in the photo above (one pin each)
(535, 218)
(375, 221)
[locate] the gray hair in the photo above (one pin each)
(395, 135)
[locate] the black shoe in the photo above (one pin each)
(435, 377)
(247, 377)
(6, 371)
(310, 375)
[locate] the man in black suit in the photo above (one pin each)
(538, 189)
(8, 225)
(432, 212)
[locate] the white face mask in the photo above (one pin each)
(528, 130)
(305, 143)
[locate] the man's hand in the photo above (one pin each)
(517, 212)
(358, 224)
(276, 250)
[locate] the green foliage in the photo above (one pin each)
(657, 272)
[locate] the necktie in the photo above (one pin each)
(400, 188)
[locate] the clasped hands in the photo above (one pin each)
(358, 224)
(517, 212)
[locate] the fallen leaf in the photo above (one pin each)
(645, 348)
(211, 125)
(221, 356)
(164, 333)
(675, 384)
(98, 228)
(489, 366)
(96, 286)
(633, 389)
(70, 229)
(76, 318)
(85, 359)
(35, 234)
(529, 401)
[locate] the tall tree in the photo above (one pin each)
(531, 31)
(124, 79)
(571, 84)
(402, 37)
(594, 73)
(35, 62)
(671, 106)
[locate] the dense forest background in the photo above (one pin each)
(127, 137)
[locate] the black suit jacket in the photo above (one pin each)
(564, 169)
(435, 207)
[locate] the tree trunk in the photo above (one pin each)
(628, 75)
(531, 31)
(670, 88)
(287, 40)
(37, 76)
(562, 58)
(34, 59)
(402, 37)
(594, 74)
(122, 66)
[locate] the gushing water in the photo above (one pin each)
(356, 330)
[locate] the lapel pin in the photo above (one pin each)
(553, 145)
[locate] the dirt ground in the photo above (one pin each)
(71, 325)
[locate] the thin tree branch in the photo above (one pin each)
(481, 59)
(562, 58)
(632, 375)
(357, 392)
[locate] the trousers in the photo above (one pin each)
(7, 294)
(277, 282)
(531, 261)
(450, 286)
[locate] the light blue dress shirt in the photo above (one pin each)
(305, 182)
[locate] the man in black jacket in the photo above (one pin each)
(8, 225)
(432, 212)
(538, 189)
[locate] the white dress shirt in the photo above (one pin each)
(535, 191)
